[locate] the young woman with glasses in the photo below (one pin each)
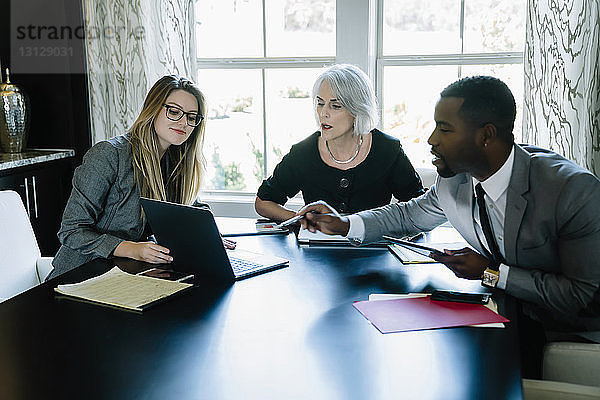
(348, 162)
(160, 157)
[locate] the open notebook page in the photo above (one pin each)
(120, 289)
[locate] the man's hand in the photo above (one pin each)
(321, 216)
(465, 263)
(149, 252)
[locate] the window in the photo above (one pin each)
(257, 61)
(428, 44)
(257, 74)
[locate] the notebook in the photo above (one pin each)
(307, 237)
(119, 289)
(231, 227)
(411, 256)
(192, 236)
(318, 238)
(407, 256)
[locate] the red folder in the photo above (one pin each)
(413, 314)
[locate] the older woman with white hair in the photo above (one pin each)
(348, 163)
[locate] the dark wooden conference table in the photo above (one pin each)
(287, 334)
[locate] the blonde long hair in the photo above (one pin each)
(186, 177)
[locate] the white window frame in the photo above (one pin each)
(354, 22)
(359, 34)
(506, 57)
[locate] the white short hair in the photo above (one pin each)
(353, 88)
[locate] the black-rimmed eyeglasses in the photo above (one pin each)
(176, 113)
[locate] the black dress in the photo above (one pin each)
(385, 172)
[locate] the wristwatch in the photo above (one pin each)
(490, 277)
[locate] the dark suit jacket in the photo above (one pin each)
(551, 234)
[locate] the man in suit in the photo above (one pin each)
(531, 215)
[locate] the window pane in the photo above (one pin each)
(421, 27)
(512, 75)
(229, 28)
(233, 129)
(289, 109)
(409, 97)
(300, 28)
(494, 25)
(410, 94)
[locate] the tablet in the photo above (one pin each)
(460, 297)
(167, 274)
(416, 247)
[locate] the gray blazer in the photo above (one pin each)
(104, 208)
(551, 234)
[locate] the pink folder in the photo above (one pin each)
(413, 314)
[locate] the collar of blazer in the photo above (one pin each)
(515, 202)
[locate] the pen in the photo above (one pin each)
(297, 218)
(415, 237)
(290, 221)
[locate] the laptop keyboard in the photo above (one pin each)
(240, 266)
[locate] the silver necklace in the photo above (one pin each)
(351, 158)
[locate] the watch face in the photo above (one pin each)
(489, 279)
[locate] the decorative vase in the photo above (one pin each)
(14, 116)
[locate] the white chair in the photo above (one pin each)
(570, 371)
(534, 389)
(572, 362)
(21, 264)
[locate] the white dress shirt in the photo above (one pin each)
(495, 198)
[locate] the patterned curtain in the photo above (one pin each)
(130, 44)
(562, 79)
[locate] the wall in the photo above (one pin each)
(59, 102)
(562, 79)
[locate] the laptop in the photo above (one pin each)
(196, 245)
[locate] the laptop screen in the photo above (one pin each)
(192, 236)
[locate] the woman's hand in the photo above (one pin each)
(271, 210)
(149, 252)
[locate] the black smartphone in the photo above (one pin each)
(416, 247)
(168, 274)
(460, 297)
